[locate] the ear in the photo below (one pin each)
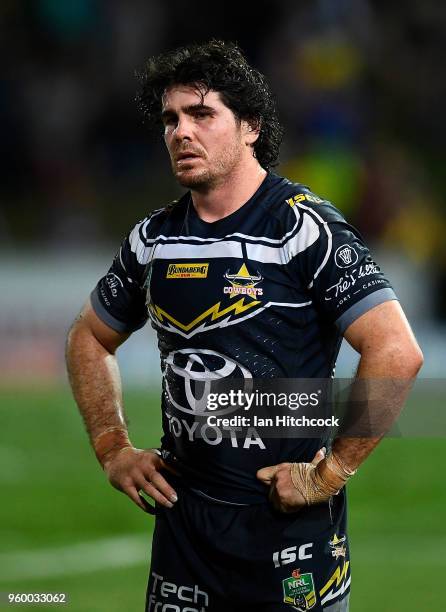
(250, 131)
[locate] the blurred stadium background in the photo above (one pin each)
(360, 87)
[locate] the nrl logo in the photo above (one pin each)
(299, 591)
(338, 549)
(243, 283)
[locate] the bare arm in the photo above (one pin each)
(388, 351)
(94, 373)
(96, 383)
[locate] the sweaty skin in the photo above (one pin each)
(96, 383)
(389, 352)
(222, 177)
(211, 153)
(222, 173)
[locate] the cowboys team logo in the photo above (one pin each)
(186, 298)
(337, 546)
(345, 256)
(243, 283)
(189, 374)
(298, 591)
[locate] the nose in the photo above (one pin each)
(183, 129)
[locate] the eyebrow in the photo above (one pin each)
(189, 110)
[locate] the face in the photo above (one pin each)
(205, 141)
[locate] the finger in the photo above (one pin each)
(139, 501)
(275, 500)
(153, 492)
(266, 474)
(168, 461)
(272, 495)
(169, 467)
(148, 507)
(164, 487)
(319, 456)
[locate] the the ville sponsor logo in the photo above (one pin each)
(350, 278)
(187, 270)
(346, 256)
(243, 283)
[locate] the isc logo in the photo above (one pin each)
(291, 554)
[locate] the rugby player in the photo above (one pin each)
(246, 276)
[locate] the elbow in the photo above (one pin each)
(416, 360)
(396, 359)
(79, 339)
(406, 360)
(70, 341)
(73, 330)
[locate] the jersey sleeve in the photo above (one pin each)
(339, 271)
(119, 298)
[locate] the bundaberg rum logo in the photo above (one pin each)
(187, 270)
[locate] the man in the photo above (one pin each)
(247, 276)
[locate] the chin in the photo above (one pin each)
(194, 180)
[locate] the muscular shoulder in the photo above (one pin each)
(145, 233)
(292, 201)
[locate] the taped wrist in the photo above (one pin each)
(318, 483)
(335, 464)
(109, 443)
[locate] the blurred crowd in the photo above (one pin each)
(360, 90)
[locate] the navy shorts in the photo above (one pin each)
(213, 557)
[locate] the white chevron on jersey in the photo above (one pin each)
(186, 247)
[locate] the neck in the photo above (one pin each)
(230, 194)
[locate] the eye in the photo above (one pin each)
(202, 114)
(169, 120)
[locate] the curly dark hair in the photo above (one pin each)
(220, 66)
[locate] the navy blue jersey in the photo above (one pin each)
(266, 292)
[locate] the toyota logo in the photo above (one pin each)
(189, 374)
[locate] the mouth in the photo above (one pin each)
(186, 156)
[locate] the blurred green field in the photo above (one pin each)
(64, 529)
